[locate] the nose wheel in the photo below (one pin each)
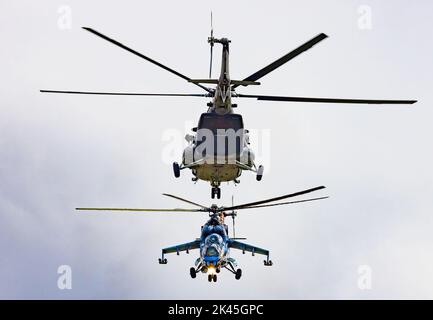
(212, 277)
(216, 192)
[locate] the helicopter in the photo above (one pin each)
(219, 151)
(214, 242)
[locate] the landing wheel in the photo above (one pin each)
(209, 277)
(268, 263)
(238, 274)
(176, 169)
(214, 277)
(260, 173)
(192, 272)
(216, 192)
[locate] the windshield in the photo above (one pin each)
(213, 245)
(212, 252)
(214, 239)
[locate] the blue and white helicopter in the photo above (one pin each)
(214, 243)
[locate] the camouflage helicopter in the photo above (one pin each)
(214, 243)
(219, 151)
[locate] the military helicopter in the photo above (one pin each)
(214, 243)
(219, 151)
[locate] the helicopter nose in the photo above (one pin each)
(211, 260)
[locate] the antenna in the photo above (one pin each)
(211, 43)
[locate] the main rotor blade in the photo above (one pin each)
(210, 63)
(289, 56)
(211, 46)
(283, 203)
(272, 199)
(185, 200)
(139, 210)
(143, 56)
(325, 100)
(127, 93)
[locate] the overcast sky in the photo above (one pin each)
(58, 152)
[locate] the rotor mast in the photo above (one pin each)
(222, 99)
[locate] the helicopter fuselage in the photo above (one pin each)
(219, 150)
(214, 245)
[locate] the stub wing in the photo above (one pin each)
(182, 247)
(247, 247)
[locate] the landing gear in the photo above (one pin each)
(268, 263)
(238, 274)
(216, 191)
(192, 272)
(176, 169)
(259, 175)
(162, 261)
(212, 277)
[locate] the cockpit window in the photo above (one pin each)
(212, 252)
(214, 239)
(213, 245)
